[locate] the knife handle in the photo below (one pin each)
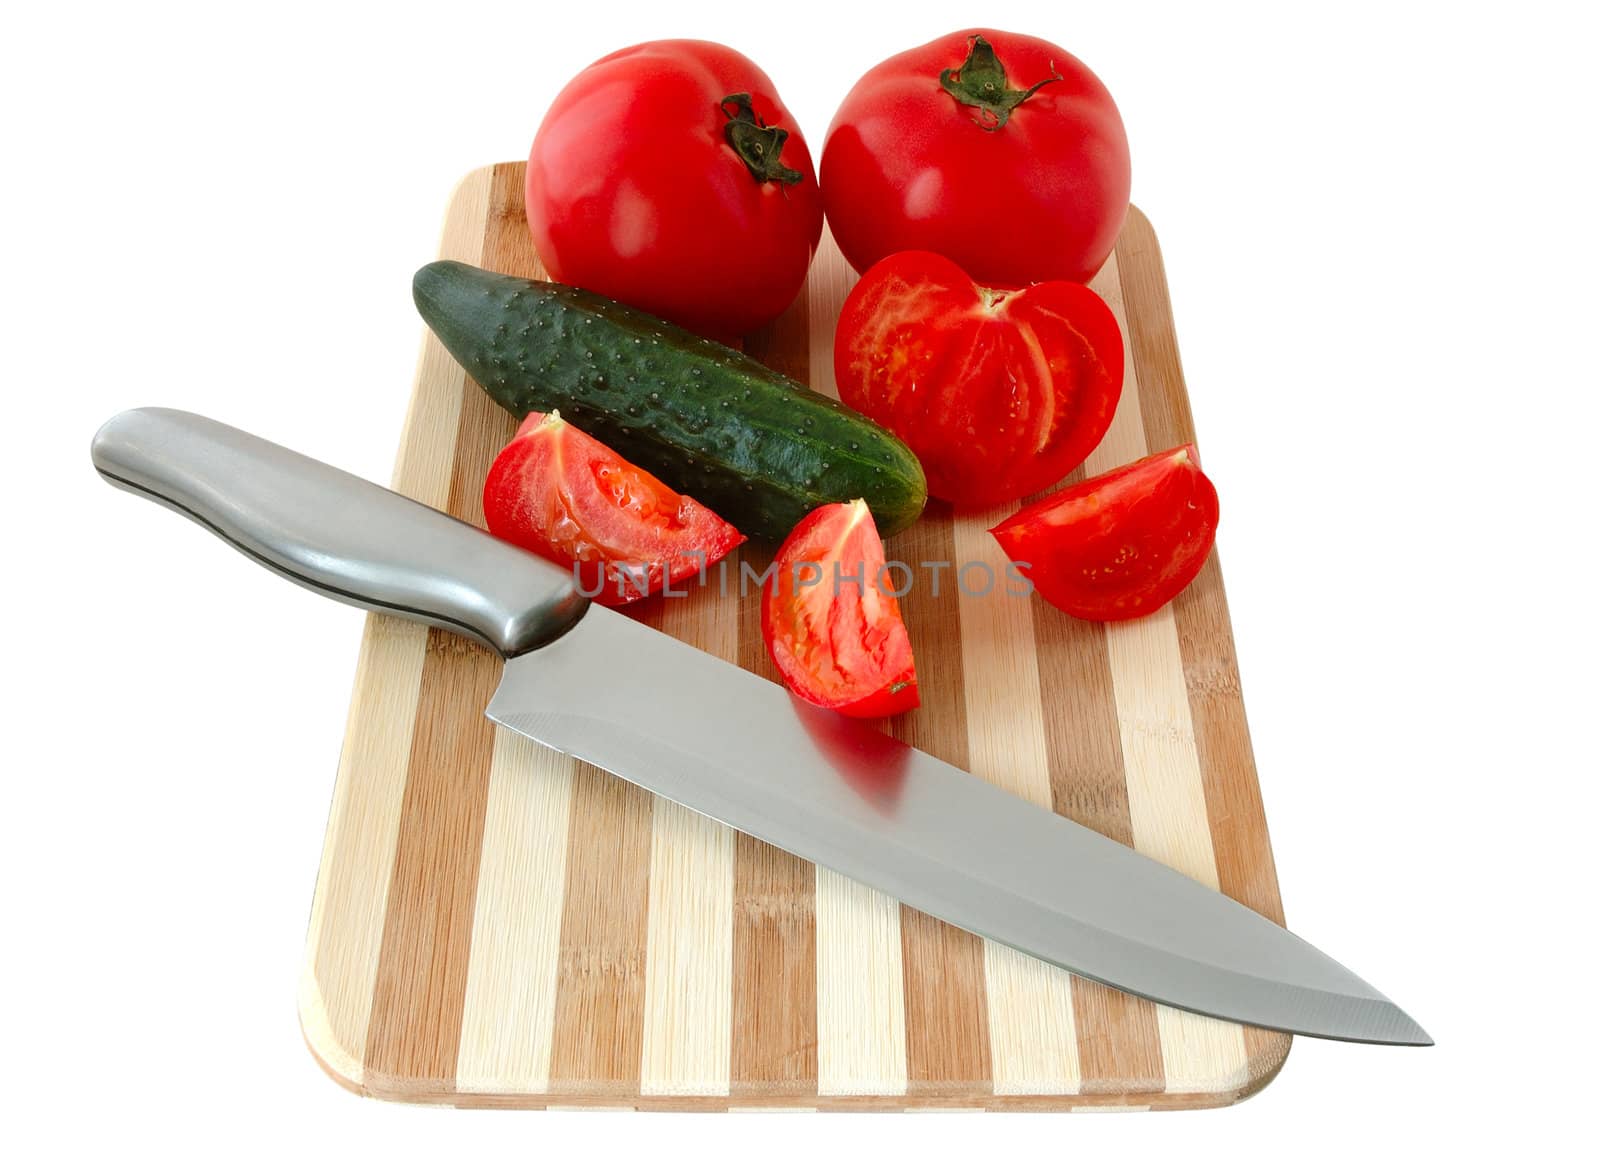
(338, 534)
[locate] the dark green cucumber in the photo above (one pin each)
(759, 449)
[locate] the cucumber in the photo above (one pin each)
(759, 449)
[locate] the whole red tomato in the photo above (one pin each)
(1000, 151)
(999, 393)
(671, 177)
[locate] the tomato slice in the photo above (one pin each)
(1000, 394)
(830, 618)
(557, 492)
(1122, 544)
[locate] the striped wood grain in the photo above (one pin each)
(495, 924)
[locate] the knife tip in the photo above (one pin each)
(1400, 1028)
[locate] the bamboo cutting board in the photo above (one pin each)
(495, 924)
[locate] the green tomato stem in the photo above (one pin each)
(980, 82)
(759, 146)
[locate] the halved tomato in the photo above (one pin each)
(999, 393)
(1122, 544)
(559, 493)
(831, 620)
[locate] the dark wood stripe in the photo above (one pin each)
(946, 1006)
(1119, 1045)
(1163, 400)
(420, 989)
(1234, 809)
(599, 1018)
(774, 1053)
(785, 343)
(599, 1013)
(417, 999)
(774, 973)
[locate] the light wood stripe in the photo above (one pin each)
(508, 1015)
(346, 931)
(1032, 1040)
(688, 997)
(861, 1036)
(1166, 796)
(508, 1018)
(1238, 821)
(348, 912)
(599, 981)
(861, 1025)
(689, 955)
(1000, 672)
(1119, 1046)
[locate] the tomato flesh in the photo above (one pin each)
(839, 642)
(634, 191)
(1038, 195)
(557, 492)
(1000, 394)
(1120, 545)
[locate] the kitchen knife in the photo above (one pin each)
(593, 683)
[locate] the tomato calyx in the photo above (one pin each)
(980, 82)
(758, 144)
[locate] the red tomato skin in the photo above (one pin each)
(557, 492)
(896, 698)
(999, 394)
(862, 665)
(907, 167)
(1120, 545)
(633, 192)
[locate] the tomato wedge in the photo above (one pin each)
(557, 492)
(999, 393)
(1122, 544)
(830, 618)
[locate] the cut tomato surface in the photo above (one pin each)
(1000, 394)
(557, 492)
(830, 618)
(1122, 544)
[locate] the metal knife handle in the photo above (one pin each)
(338, 534)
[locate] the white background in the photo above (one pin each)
(1379, 229)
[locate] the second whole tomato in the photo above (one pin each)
(999, 394)
(1001, 151)
(671, 177)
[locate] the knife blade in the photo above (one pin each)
(597, 685)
